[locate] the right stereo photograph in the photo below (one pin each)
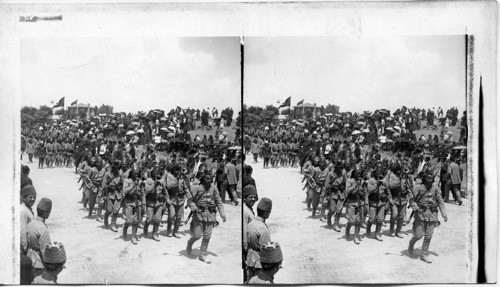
(356, 160)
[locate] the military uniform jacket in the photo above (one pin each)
(130, 191)
(177, 190)
(205, 203)
(97, 176)
(335, 186)
(354, 191)
(155, 191)
(319, 177)
(113, 186)
(425, 202)
(377, 192)
(257, 234)
(399, 194)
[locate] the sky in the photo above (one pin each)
(357, 74)
(132, 74)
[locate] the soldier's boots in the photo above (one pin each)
(140, 225)
(357, 228)
(169, 228)
(113, 223)
(348, 232)
(309, 201)
(329, 218)
(392, 229)
(369, 228)
(424, 257)
(378, 234)
(398, 229)
(134, 234)
(155, 231)
(145, 229)
(363, 223)
(176, 229)
(203, 249)
(189, 247)
(425, 251)
(411, 246)
(106, 219)
(99, 214)
(336, 225)
(125, 228)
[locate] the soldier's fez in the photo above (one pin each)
(265, 204)
(270, 252)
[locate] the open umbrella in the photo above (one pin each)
(389, 129)
(397, 128)
(366, 130)
(356, 132)
(164, 129)
(140, 131)
(120, 125)
(347, 125)
(130, 133)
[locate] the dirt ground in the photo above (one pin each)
(99, 256)
(314, 253)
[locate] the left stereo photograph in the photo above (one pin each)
(128, 149)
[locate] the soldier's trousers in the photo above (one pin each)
(398, 212)
(423, 229)
(353, 214)
(315, 200)
(92, 200)
(200, 228)
(153, 214)
(113, 205)
(174, 213)
(376, 214)
(131, 216)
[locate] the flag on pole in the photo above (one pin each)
(286, 103)
(74, 103)
(300, 102)
(60, 103)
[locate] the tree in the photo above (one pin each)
(267, 116)
(47, 109)
(273, 109)
(332, 109)
(286, 111)
(105, 109)
(227, 113)
(254, 110)
(59, 112)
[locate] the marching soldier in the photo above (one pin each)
(425, 203)
(204, 204)
(156, 194)
(113, 187)
(355, 202)
(400, 189)
(335, 186)
(96, 176)
(178, 188)
(131, 192)
(378, 197)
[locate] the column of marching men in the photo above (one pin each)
(147, 190)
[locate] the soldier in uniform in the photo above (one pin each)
(355, 202)
(257, 234)
(112, 185)
(249, 198)
(37, 234)
(400, 190)
(318, 192)
(335, 186)
(156, 193)
(425, 202)
(131, 192)
(84, 170)
(178, 189)
(96, 176)
(204, 203)
(378, 197)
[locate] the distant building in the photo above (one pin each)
(307, 111)
(80, 109)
